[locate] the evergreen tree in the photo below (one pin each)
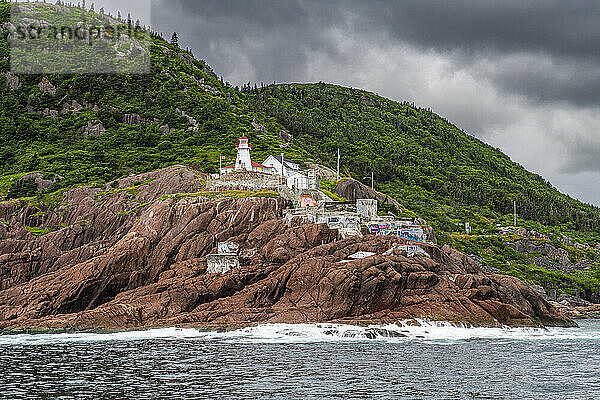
(175, 39)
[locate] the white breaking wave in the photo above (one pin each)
(439, 332)
(152, 334)
(425, 331)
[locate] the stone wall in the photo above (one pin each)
(250, 181)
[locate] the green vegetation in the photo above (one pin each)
(496, 254)
(183, 113)
(430, 165)
(177, 84)
(38, 231)
(328, 187)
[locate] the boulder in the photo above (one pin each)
(286, 137)
(257, 126)
(352, 190)
(41, 183)
(12, 81)
(46, 86)
(94, 128)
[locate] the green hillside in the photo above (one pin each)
(432, 166)
(215, 116)
(91, 129)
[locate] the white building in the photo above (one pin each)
(225, 260)
(243, 161)
(293, 176)
(282, 166)
(298, 181)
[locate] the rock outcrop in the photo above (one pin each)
(94, 128)
(136, 119)
(46, 86)
(12, 81)
(286, 137)
(526, 246)
(133, 254)
(352, 190)
(40, 182)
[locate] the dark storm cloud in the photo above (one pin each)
(276, 38)
(523, 75)
(556, 27)
(584, 157)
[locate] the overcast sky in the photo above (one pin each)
(523, 76)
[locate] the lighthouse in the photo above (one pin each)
(243, 160)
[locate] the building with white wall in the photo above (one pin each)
(282, 166)
(291, 174)
(243, 161)
(298, 181)
(224, 260)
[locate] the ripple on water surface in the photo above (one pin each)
(312, 361)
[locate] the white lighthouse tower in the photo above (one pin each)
(243, 160)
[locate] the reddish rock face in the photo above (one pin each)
(129, 258)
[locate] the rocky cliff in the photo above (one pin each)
(133, 254)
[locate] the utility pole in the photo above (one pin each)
(282, 171)
(338, 165)
(515, 211)
(372, 181)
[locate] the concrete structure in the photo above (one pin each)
(298, 181)
(358, 256)
(361, 254)
(306, 200)
(406, 229)
(337, 215)
(366, 208)
(349, 218)
(412, 250)
(251, 181)
(225, 259)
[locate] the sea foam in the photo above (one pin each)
(426, 331)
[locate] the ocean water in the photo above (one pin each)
(321, 361)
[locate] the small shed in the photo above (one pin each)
(225, 260)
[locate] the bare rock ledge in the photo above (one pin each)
(129, 256)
